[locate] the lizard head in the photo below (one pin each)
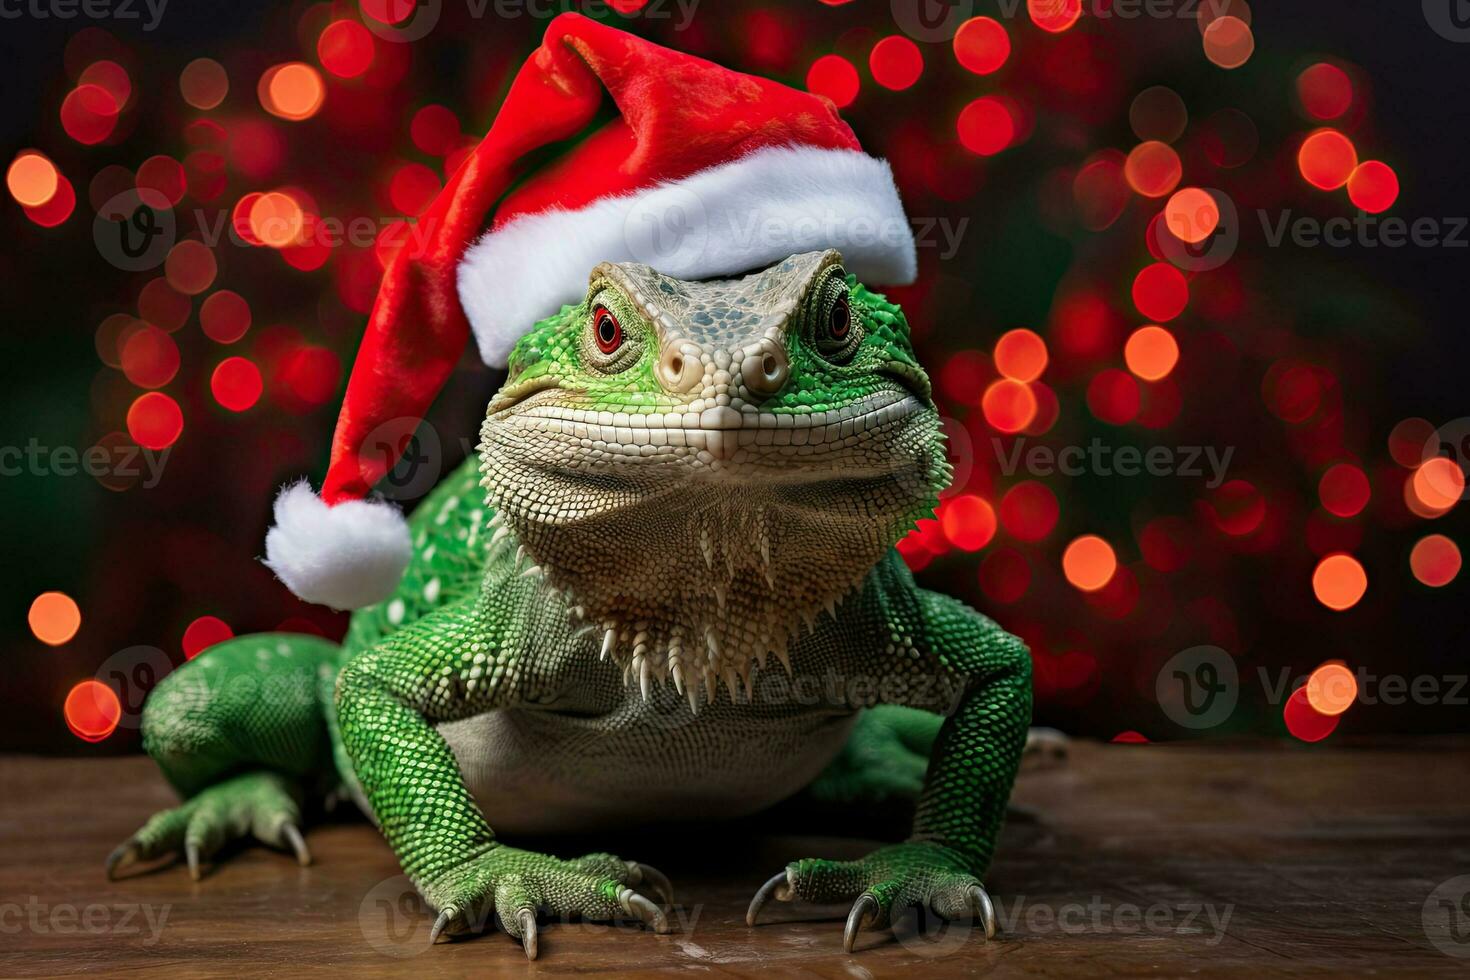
(714, 457)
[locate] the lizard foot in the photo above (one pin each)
(262, 805)
(907, 875)
(515, 885)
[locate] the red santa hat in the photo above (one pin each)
(702, 172)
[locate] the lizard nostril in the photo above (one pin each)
(764, 371)
(677, 372)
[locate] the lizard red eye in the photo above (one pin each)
(607, 330)
(839, 321)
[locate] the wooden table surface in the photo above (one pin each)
(1258, 860)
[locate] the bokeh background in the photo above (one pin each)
(1096, 187)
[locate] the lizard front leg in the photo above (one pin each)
(454, 664)
(972, 767)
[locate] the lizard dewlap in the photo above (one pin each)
(666, 583)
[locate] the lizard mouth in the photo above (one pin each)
(722, 434)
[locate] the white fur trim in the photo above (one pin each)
(348, 556)
(730, 218)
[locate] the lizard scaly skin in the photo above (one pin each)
(667, 586)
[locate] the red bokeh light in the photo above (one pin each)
(204, 633)
(345, 48)
(1160, 292)
(1153, 168)
(92, 711)
(1113, 396)
(1020, 355)
(968, 521)
(149, 357)
(1344, 490)
(1327, 159)
(833, 76)
(1008, 406)
(435, 130)
(985, 126)
(155, 420)
(89, 114)
(896, 62)
(1054, 16)
(236, 383)
(1373, 186)
(1304, 721)
(981, 45)
(224, 317)
(1029, 511)
(1435, 560)
(1325, 91)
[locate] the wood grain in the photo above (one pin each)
(1321, 857)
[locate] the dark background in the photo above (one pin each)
(1387, 323)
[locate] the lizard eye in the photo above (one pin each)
(607, 330)
(836, 335)
(839, 320)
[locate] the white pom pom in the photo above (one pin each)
(348, 556)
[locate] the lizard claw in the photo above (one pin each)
(636, 905)
(656, 880)
(444, 916)
(527, 920)
(122, 856)
(984, 909)
(864, 912)
(298, 844)
(779, 886)
(191, 855)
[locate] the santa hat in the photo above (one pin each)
(702, 172)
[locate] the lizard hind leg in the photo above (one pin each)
(240, 734)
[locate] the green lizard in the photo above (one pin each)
(676, 593)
